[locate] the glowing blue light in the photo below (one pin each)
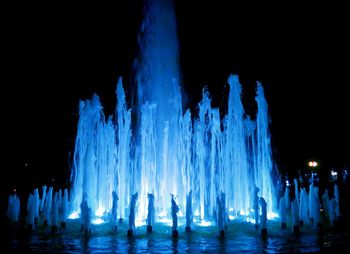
(167, 150)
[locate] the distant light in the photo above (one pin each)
(231, 217)
(97, 221)
(287, 183)
(241, 212)
(14, 190)
(99, 212)
(313, 164)
(196, 213)
(74, 216)
(334, 173)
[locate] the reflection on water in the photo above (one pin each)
(240, 237)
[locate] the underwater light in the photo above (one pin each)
(166, 221)
(98, 221)
(99, 212)
(205, 223)
(241, 212)
(272, 215)
(73, 216)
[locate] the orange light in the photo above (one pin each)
(313, 164)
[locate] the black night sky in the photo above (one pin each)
(53, 56)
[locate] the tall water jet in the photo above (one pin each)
(264, 156)
(237, 180)
(159, 106)
(94, 161)
(125, 172)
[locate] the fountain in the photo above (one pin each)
(214, 164)
(167, 149)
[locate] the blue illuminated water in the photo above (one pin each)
(241, 237)
(167, 149)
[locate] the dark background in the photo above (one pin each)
(53, 56)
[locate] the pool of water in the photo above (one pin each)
(240, 237)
